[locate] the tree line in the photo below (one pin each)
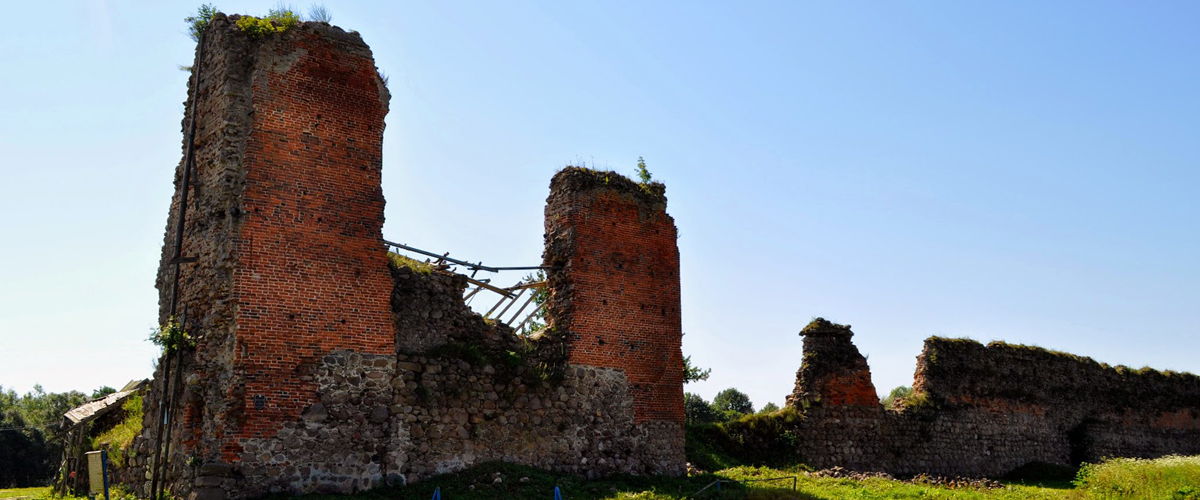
(31, 432)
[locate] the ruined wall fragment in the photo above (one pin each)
(834, 373)
(986, 410)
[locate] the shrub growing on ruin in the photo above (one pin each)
(171, 337)
(276, 21)
(198, 22)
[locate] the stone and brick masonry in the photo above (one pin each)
(983, 411)
(323, 366)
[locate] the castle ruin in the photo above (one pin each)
(322, 364)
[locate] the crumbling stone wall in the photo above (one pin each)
(322, 365)
(834, 373)
(986, 410)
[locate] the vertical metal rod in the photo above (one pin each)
(181, 219)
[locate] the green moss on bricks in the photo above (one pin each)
(398, 261)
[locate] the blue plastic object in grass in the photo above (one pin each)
(437, 493)
(557, 494)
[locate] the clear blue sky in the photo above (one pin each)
(1027, 171)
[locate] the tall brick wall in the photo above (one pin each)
(985, 410)
(285, 217)
(311, 274)
(616, 288)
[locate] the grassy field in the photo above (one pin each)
(1170, 478)
(1175, 478)
(39, 492)
(496, 480)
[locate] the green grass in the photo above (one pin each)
(39, 492)
(480, 483)
(1166, 478)
(117, 439)
(36, 492)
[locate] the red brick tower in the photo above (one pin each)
(615, 288)
(283, 222)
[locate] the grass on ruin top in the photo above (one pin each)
(400, 261)
(1002, 345)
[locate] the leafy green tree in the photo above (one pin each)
(102, 391)
(733, 400)
(698, 411)
(30, 428)
(537, 319)
(896, 395)
(769, 408)
(692, 373)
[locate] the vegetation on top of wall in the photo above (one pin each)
(932, 343)
(584, 178)
(319, 14)
(397, 261)
(277, 20)
(823, 326)
(200, 21)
